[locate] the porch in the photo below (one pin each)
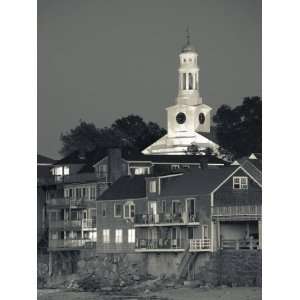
(69, 244)
(165, 219)
(159, 245)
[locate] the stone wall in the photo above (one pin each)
(232, 268)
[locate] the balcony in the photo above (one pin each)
(159, 245)
(163, 219)
(71, 202)
(73, 224)
(200, 245)
(247, 244)
(238, 213)
(71, 244)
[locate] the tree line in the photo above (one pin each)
(238, 131)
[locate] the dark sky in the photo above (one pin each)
(100, 60)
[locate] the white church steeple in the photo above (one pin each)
(188, 75)
(189, 119)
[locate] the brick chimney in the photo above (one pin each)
(114, 164)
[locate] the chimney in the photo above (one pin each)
(114, 164)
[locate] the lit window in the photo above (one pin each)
(106, 238)
(119, 236)
(131, 235)
(117, 210)
(129, 210)
(240, 183)
(66, 170)
(153, 186)
(140, 170)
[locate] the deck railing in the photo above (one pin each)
(84, 223)
(233, 211)
(164, 218)
(55, 244)
(159, 244)
(240, 244)
(71, 202)
(200, 245)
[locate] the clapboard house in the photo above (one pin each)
(187, 213)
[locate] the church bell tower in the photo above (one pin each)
(189, 117)
(189, 114)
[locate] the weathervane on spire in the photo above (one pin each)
(188, 35)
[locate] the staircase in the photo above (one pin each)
(186, 263)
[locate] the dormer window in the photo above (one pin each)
(240, 183)
(152, 186)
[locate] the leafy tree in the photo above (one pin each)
(239, 130)
(131, 133)
(195, 149)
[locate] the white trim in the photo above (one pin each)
(250, 176)
(117, 203)
(225, 180)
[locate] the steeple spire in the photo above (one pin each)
(188, 35)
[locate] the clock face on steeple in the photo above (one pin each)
(180, 118)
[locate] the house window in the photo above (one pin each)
(131, 235)
(66, 193)
(70, 193)
(164, 206)
(139, 170)
(74, 215)
(78, 193)
(84, 192)
(106, 238)
(53, 216)
(176, 207)
(54, 236)
(66, 170)
(117, 210)
(190, 233)
(102, 170)
(92, 193)
(103, 208)
(119, 236)
(186, 166)
(204, 231)
(175, 167)
(153, 186)
(240, 183)
(129, 210)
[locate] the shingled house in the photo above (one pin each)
(187, 213)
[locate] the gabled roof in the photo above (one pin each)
(126, 187)
(197, 181)
(88, 158)
(183, 159)
(42, 159)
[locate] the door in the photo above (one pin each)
(190, 209)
